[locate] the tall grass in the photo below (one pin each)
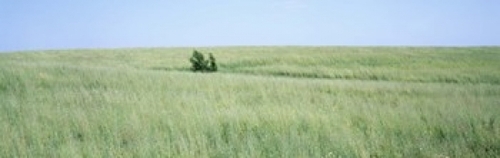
(265, 102)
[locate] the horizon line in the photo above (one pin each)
(229, 46)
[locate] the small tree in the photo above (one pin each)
(199, 63)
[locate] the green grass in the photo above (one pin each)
(263, 102)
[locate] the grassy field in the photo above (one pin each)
(263, 102)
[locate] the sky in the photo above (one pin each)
(76, 24)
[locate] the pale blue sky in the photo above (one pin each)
(70, 24)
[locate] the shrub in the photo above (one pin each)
(212, 65)
(199, 63)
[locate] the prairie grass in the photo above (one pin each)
(264, 102)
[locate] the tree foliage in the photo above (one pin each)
(212, 66)
(199, 63)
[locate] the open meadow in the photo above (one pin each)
(263, 102)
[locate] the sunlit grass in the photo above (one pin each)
(264, 102)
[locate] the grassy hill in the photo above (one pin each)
(263, 102)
